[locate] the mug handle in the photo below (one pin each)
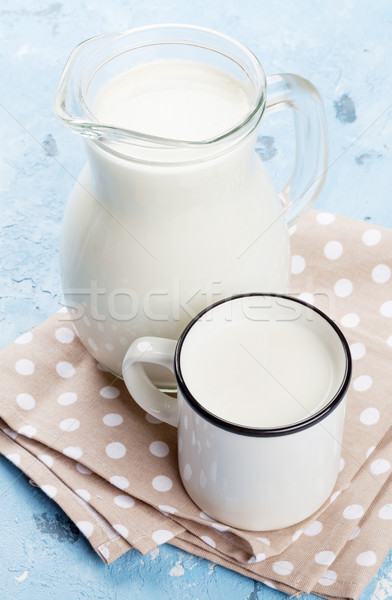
(153, 350)
(291, 91)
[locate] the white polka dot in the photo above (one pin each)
(328, 578)
(220, 527)
(10, 432)
(333, 250)
(104, 551)
(202, 479)
(25, 401)
(67, 398)
(109, 347)
(100, 327)
(14, 458)
(297, 535)
(115, 450)
(298, 264)
(92, 344)
(153, 420)
(109, 392)
(161, 483)
(325, 218)
(187, 472)
(82, 469)
(208, 540)
(46, 459)
(86, 321)
(269, 584)
(386, 309)
(366, 559)
(73, 452)
(112, 419)
(354, 534)
(362, 383)
(161, 536)
(370, 451)
(334, 496)
(119, 481)
(314, 528)
(85, 527)
(283, 567)
(123, 531)
(24, 366)
(159, 449)
(306, 297)
(353, 511)
(343, 288)
(385, 512)
(325, 557)
(65, 335)
(265, 541)
(84, 494)
(69, 424)
(257, 558)
(65, 369)
(147, 346)
(49, 490)
(371, 237)
(166, 509)
(292, 230)
(124, 501)
(381, 273)
(370, 416)
(350, 320)
(28, 431)
(186, 421)
(380, 466)
(389, 341)
(180, 444)
(25, 338)
(357, 350)
(341, 464)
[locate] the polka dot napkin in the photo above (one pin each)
(73, 428)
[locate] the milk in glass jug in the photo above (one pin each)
(174, 209)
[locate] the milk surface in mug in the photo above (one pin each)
(175, 99)
(261, 374)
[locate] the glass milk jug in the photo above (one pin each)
(163, 222)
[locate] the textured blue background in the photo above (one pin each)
(343, 46)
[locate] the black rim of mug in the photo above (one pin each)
(258, 431)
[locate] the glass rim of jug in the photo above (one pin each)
(72, 108)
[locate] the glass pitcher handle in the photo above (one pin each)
(291, 91)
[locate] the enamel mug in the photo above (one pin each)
(260, 407)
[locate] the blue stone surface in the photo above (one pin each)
(344, 47)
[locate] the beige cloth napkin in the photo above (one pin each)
(73, 428)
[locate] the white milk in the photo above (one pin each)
(164, 232)
(262, 374)
(175, 99)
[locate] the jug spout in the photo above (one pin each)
(99, 60)
(91, 64)
(71, 100)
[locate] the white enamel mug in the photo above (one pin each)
(264, 454)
